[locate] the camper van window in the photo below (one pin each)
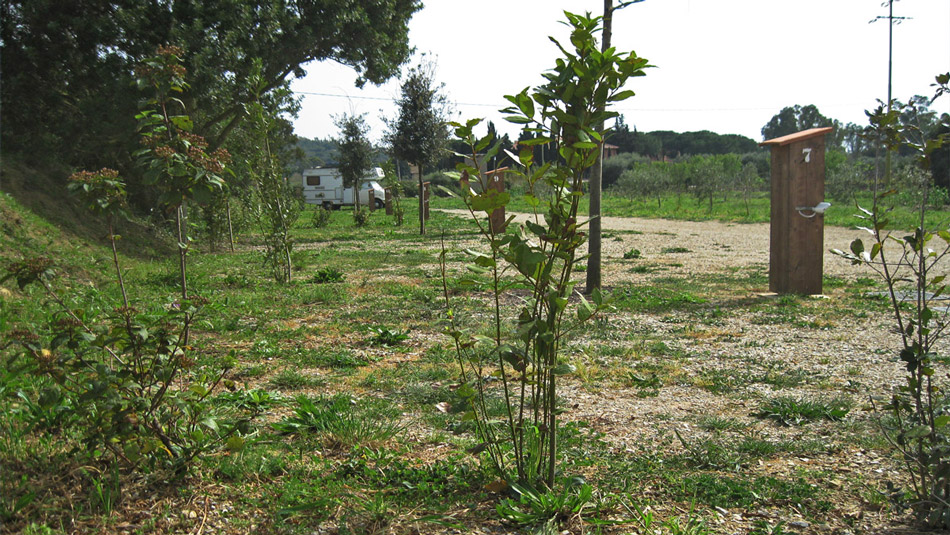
(313, 181)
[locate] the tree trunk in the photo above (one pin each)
(422, 208)
(230, 227)
(596, 177)
(182, 221)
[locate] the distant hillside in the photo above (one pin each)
(317, 153)
(321, 153)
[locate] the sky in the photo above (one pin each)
(727, 65)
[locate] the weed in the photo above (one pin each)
(646, 268)
(545, 507)
(794, 411)
(719, 423)
(330, 357)
(632, 254)
(387, 338)
(293, 379)
(327, 275)
(341, 422)
(653, 299)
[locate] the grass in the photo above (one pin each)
(375, 437)
(686, 208)
(789, 410)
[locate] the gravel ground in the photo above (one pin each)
(849, 354)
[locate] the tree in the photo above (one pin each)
(542, 255)
(356, 153)
(596, 173)
(940, 164)
(420, 131)
(275, 203)
(60, 58)
(795, 119)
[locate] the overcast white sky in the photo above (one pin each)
(726, 65)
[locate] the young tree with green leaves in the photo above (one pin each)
(911, 266)
(355, 153)
(175, 160)
(420, 131)
(276, 204)
(525, 357)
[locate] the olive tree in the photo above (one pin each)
(356, 154)
(420, 132)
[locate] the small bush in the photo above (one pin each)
(632, 254)
(327, 275)
(320, 218)
(361, 217)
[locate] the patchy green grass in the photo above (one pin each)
(364, 430)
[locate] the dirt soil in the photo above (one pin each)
(841, 354)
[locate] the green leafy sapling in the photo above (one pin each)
(541, 253)
(132, 378)
(175, 159)
(910, 264)
(275, 204)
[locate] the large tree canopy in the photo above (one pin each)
(795, 119)
(68, 66)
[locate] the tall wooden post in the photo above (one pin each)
(496, 181)
(797, 230)
(464, 184)
(389, 201)
(371, 199)
(425, 199)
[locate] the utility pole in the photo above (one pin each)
(891, 21)
(594, 247)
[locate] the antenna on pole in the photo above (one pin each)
(892, 20)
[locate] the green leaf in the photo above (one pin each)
(484, 261)
(857, 247)
(535, 141)
(183, 122)
(517, 119)
(490, 200)
(919, 431)
(235, 443)
(465, 391)
(210, 423)
(623, 95)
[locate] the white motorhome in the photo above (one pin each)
(324, 186)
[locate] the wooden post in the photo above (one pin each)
(797, 232)
(425, 199)
(389, 201)
(371, 199)
(463, 185)
(496, 181)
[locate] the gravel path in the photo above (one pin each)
(713, 245)
(830, 347)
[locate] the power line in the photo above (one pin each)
(644, 110)
(385, 99)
